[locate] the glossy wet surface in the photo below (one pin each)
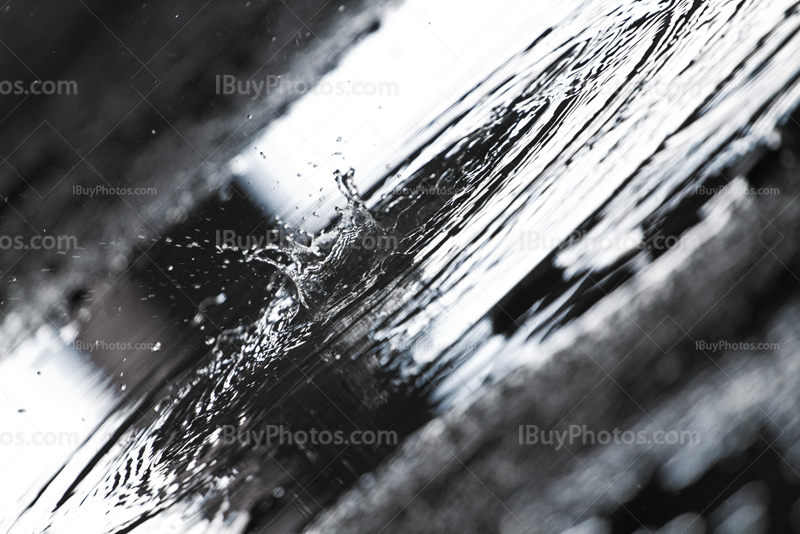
(548, 184)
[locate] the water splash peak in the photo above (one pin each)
(331, 267)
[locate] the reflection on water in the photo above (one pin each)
(363, 114)
(594, 131)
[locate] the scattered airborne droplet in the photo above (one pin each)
(156, 347)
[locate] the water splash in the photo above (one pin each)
(604, 125)
(341, 261)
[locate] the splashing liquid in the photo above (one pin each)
(603, 124)
(330, 269)
(223, 408)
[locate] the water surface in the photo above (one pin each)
(532, 196)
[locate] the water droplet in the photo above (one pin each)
(278, 492)
(210, 341)
(123, 387)
(169, 267)
(249, 117)
(341, 9)
(156, 347)
(338, 139)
